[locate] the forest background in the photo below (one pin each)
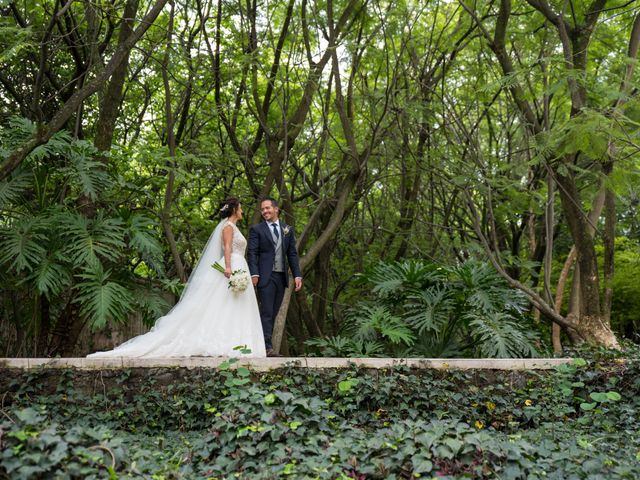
(462, 176)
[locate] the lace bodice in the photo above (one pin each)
(239, 243)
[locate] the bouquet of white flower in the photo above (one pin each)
(239, 280)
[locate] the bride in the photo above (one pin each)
(209, 319)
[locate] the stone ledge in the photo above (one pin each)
(265, 364)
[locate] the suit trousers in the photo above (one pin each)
(270, 297)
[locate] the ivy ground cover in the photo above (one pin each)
(577, 422)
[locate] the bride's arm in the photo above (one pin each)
(227, 239)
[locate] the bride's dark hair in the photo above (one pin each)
(228, 207)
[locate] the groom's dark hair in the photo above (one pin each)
(274, 202)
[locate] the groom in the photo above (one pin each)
(271, 252)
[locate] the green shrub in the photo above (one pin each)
(329, 424)
(423, 309)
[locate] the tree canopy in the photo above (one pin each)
(502, 132)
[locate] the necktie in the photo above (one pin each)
(275, 231)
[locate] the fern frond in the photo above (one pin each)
(174, 286)
(396, 331)
(517, 302)
(151, 303)
(20, 129)
(11, 189)
(87, 240)
(484, 290)
(142, 236)
(386, 279)
(375, 320)
(22, 246)
(336, 346)
(362, 321)
(339, 346)
(365, 348)
(444, 346)
(430, 309)
(472, 274)
(482, 300)
(57, 145)
(100, 299)
(400, 278)
(51, 276)
(497, 335)
(88, 174)
(460, 310)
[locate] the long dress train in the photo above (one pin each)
(209, 319)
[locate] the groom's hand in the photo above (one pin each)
(298, 281)
(254, 280)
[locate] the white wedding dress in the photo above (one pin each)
(209, 319)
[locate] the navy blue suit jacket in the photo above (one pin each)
(261, 252)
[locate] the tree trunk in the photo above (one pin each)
(319, 301)
(281, 318)
(45, 326)
(592, 326)
(112, 95)
(294, 325)
(562, 281)
(66, 331)
(165, 214)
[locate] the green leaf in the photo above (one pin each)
(88, 240)
(83, 171)
(613, 396)
(345, 386)
(431, 309)
(15, 40)
(150, 301)
(421, 464)
(377, 320)
(30, 416)
(142, 237)
(101, 299)
(599, 396)
(11, 189)
(22, 246)
(51, 276)
(588, 406)
(454, 444)
(579, 362)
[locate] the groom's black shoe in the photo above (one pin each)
(272, 353)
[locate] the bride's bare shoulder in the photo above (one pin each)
(227, 227)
